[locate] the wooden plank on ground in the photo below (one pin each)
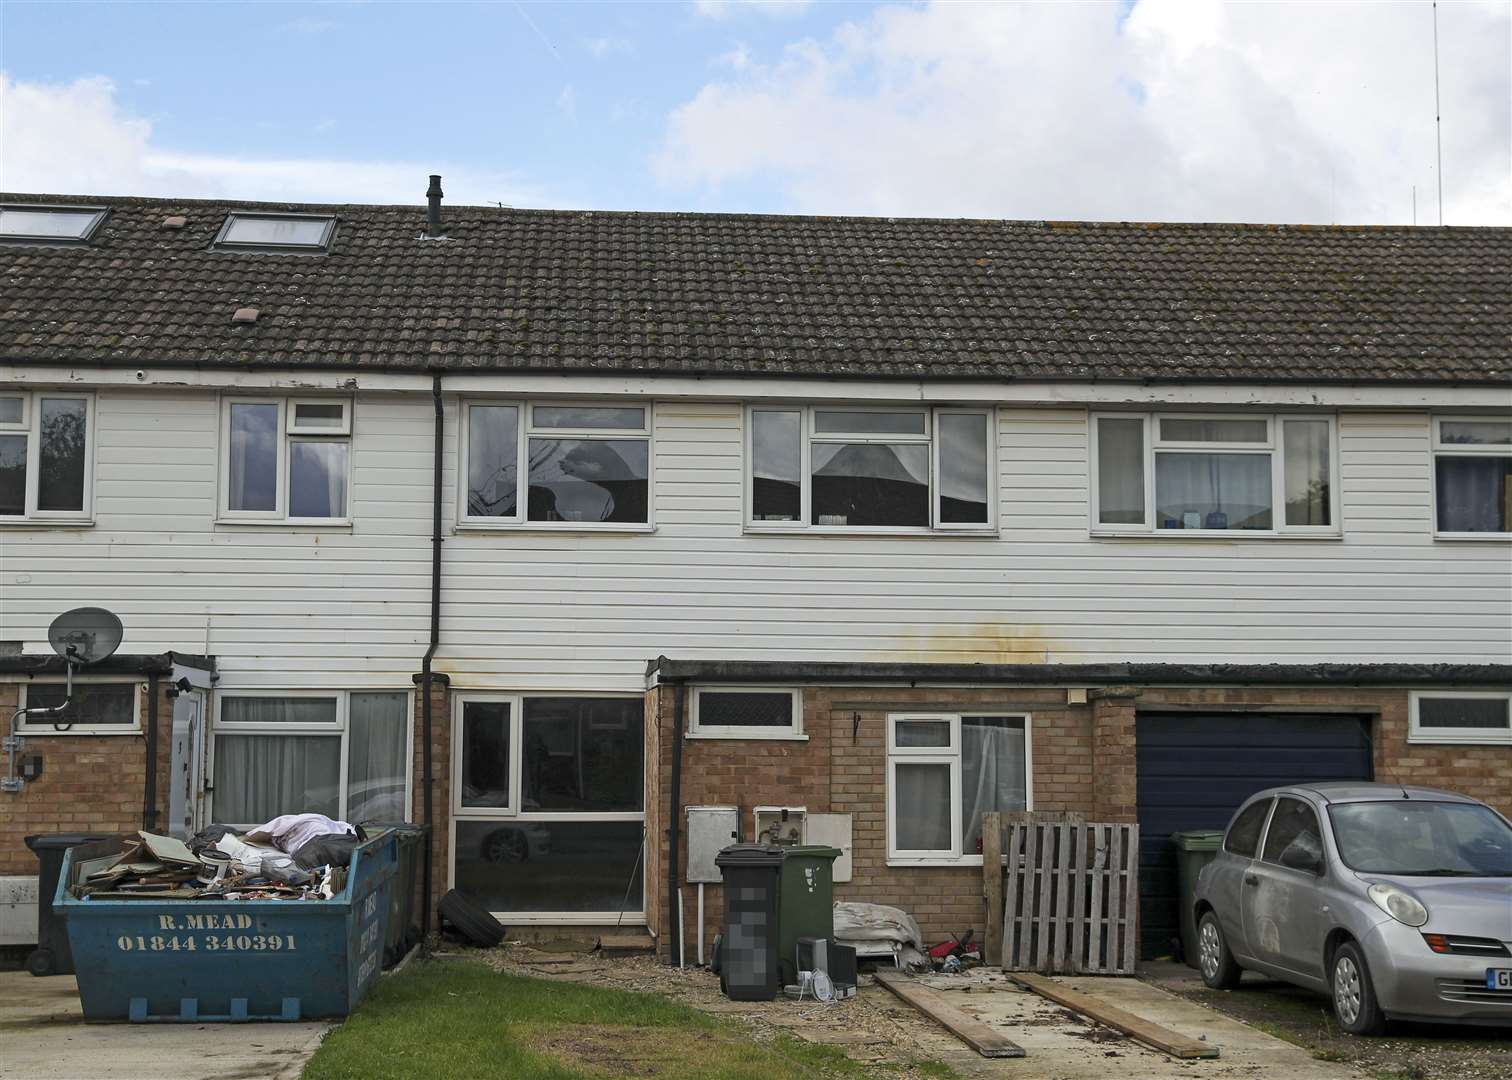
(626, 943)
(1135, 1027)
(992, 885)
(977, 1035)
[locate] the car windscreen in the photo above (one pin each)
(1416, 837)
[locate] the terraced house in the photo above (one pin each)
(545, 526)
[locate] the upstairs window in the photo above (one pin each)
(578, 466)
(278, 234)
(46, 456)
(887, 468)
(40, 223)
(1472, 476)
(286, 460)
(1214, 475)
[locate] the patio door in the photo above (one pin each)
(548, 806)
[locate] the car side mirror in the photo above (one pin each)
(1299, 858)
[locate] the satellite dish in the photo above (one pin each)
(85, 635)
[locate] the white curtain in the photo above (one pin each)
(1212, 491)
(1120, 471)
(1473, 494)
(259, 777)
(922, 805)
(992, 773)
(377, 757)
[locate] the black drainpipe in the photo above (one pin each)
(149, 786)
(672, 828)
(427, 778)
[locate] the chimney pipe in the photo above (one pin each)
(433, 210)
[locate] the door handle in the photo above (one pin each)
(1251, 879)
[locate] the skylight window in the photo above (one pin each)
(40, 223)
(296, 234)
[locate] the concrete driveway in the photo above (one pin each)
(45, 1038)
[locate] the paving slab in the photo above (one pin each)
(44, 1037)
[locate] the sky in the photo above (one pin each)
(1160, 110)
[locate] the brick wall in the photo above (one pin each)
(89, 783)
(441, 724)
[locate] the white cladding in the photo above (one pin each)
(548, 610)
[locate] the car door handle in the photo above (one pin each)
(1251, 879)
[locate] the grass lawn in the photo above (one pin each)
(461, 1019)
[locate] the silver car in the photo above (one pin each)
(1396, 902)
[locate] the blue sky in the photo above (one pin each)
(1162, 109)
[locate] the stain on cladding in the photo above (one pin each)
(983, 643)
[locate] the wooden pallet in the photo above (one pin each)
(1071, 898)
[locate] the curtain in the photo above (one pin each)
(1120, 472)
(317, 479)
(922, 803)
(259, 777)
(1474, 493)
(992, 773)
(254, 457)
(1212, 491)
(377, 758)
(278, 710)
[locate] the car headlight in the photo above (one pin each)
(1400, 904)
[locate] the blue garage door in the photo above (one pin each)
(1196, 768)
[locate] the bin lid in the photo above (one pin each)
(749, 855)
(56, 840)
(1198, 840)
(812, 851)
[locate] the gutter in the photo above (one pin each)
(426, 675)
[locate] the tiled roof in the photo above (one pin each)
(532, 290)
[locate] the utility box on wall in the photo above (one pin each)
(711, 829)
(831, 830)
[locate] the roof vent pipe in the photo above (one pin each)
(433, 210)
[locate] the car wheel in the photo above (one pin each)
(1355, 1005)
(506, 846)
(1213, 957)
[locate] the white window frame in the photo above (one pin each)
(288, 434)
(1273, 447)
(30, 425)
(951, 755)
(1442, 449)
(929, 439)
(340, 728)
(1459, 736)
(526, 430)
(699, 730)
(515, 812)
(29, 726)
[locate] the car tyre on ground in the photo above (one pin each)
(1355, 1004)
(1213, 957)
(471, 921)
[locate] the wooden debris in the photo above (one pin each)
(992, 885)
(625, 943)
(977, 1035)
(1136, 1027)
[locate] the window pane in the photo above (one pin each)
(1293, 826)
(1227, 431)
(1213, 491)
(776, 466)
(276, 232)
(317, 479)
(47, 224)
(309, 414)
(551, 865)
(925, 733)
(12, 474)
(1244, 837)
(871, 421)
(963, 469)
(277, 710)
(922, 805)
(377, 757)
(60, 458)
(871, 484)
(92, 703)
(1308, 483)
(733, 708)
(1120, 472)
(1476, 432)
(254, 457)
(485, 753)
(589, 480)
(1489, 713)
(259, 777)
(11, 410)
(588, 418)
(1474, 493)
(583, 754)
(992, 772)
(493, 461)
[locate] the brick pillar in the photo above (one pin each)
(440, 779)
(1113, 761)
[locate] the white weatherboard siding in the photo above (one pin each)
(556, 610)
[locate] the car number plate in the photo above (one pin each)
(1499, 978)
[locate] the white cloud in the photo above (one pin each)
(724, 9)
(107, 151)
(1173, 111)
(738, 58)
(601, 47)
